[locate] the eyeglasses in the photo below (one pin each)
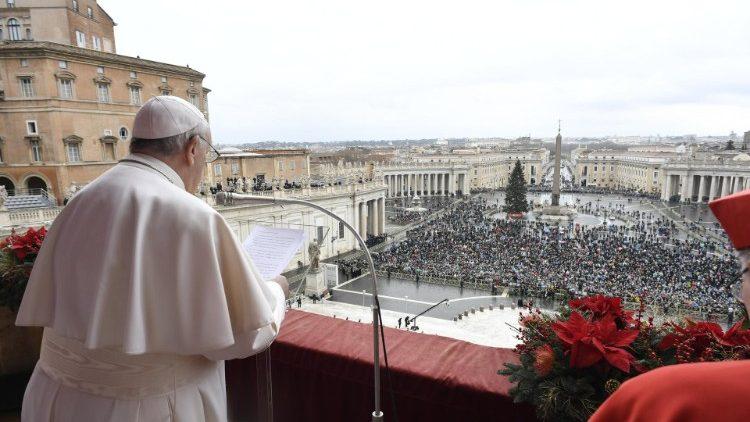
(211, 154)
(736, 288)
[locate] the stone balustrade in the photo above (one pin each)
(27, 218)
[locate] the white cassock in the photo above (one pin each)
(144, 291)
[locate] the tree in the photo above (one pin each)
(730, 145)
(515, 195)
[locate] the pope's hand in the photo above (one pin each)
(281, 281)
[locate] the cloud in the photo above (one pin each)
(341, 70)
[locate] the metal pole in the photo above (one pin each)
(228, 198)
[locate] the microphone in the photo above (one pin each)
(230, 198)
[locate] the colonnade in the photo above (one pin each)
(369, 217)
(426, 184)
(702, 187)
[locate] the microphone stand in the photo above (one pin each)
(230, 198)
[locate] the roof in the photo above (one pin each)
(27, 48)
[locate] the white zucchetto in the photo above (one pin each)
(166, 115)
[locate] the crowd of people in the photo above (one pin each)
(645, 260)
(403, 211)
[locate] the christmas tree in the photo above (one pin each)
(515, 195)
(730, 145)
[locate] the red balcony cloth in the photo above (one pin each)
(322, 371)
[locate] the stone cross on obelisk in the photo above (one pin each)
(556, 175)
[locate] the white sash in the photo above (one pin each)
(111, 373)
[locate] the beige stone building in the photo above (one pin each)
(268, 166)
(638, 168)
(490, 169)
(67, 101)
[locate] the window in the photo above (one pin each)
(163, 79)
(27, 88)
(320, 235)
(342, 230)
(109, 151)
(36, 151)
(217, 169)
(24, 63)
(14, 30)
(281, 166)
(235, 168)
(62, 64)
(74, 152)
(103, 92)
(166, 92)
(96, 43)
(192, 84)
(75, 5)
(80, 39)
(133, 75)
(28, 34)
(135, 95)
(90, 12)
(66, 89)
(124, 133)
(100, 70)
(31, 127)
(194, 100)
(292, 165)
(11, 3)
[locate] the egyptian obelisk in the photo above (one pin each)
(556, 174)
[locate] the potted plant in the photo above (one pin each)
(19, 346)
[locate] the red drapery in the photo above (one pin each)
(322, 371)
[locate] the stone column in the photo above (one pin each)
(451, 183)
(363, 220)
(701, 187)
(713, 189)
(684, 190)
(666, 189)
(355, 223)
(726, 183)
(375, 209)
(381, 215)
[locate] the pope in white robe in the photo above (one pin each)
(144, 290)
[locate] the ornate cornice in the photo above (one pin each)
(72, 139)
(108, 139)
(101, 79)
(134, 82)
(64, 74)
(46, 48)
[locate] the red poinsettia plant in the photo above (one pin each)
(572, 361)
(17, 255)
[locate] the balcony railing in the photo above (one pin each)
(321, 370)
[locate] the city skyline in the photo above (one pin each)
(334, 71)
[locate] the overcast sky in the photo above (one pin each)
(321, 70)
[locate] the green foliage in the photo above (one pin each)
(515, 195)
(13, 279)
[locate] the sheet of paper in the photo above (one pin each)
(272, 248)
